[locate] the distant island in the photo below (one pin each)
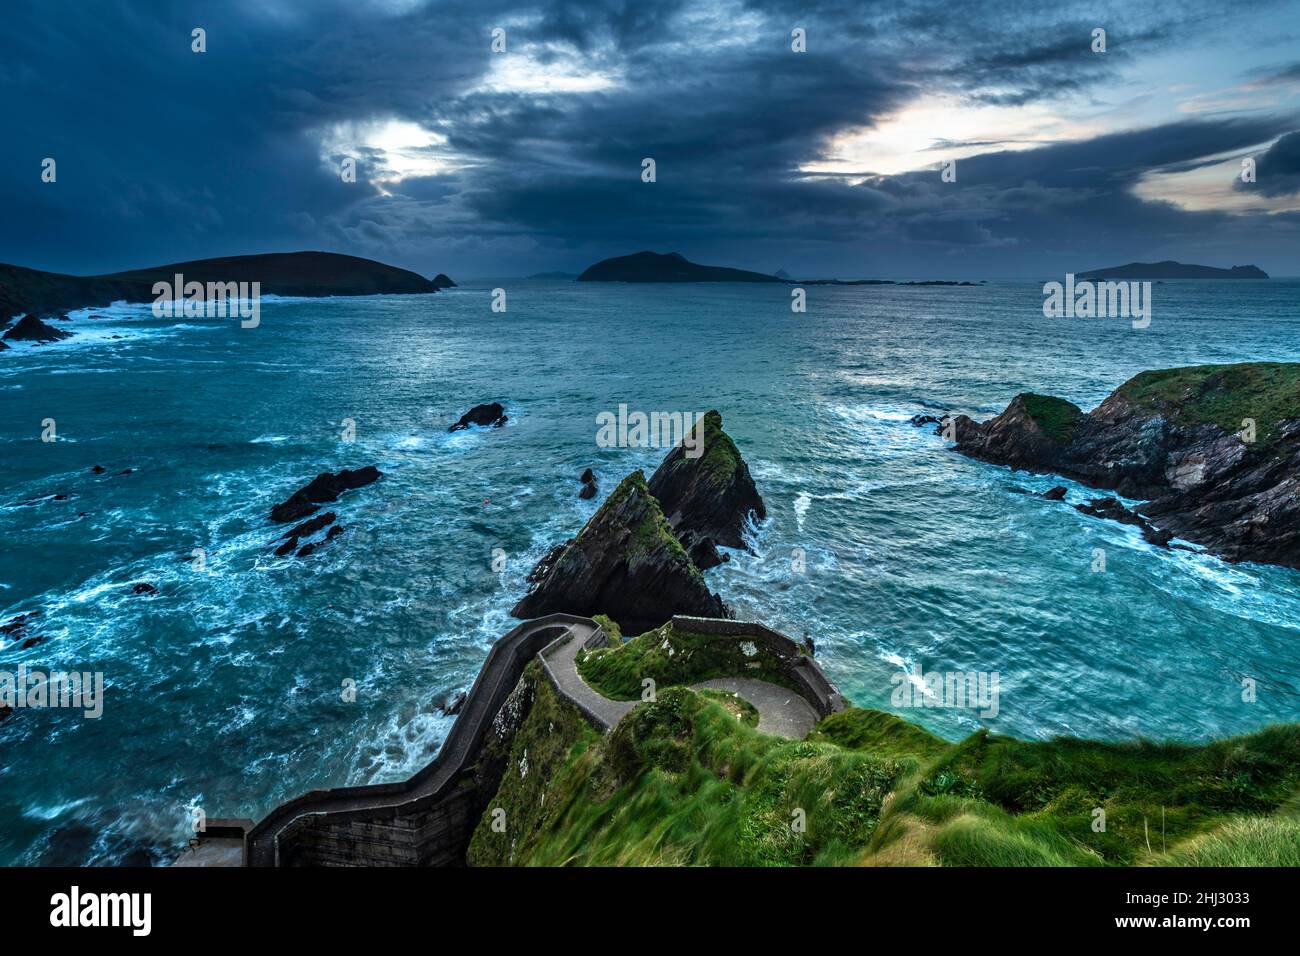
(1173, 270)
(674, 267)
(666, 267)
(39, 294)
(555, 276)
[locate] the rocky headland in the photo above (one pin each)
(36, 294)
(1212, 450)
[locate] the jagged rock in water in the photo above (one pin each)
(323, 488)
(143, 587)
(703, 552)
(493, 414)
(31, 329)
(311, 525)
(1213, 449)
(1055, 494)
(16, 628)
(711, 495)
(625, 562)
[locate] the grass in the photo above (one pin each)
(1222, 395)
(672, 657)
(687, 780)
(1250, 841)
(1055, 417)
(682, 781)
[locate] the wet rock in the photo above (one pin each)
(703, 552)
(627, 563)
(1176, 438)
(588, 491)
(587, 476)
(711, 495)
(16, 629)
(1055, 494)
(492, 414)
(311, 526)
(323, 488)
(334, 532)
(98, 470)
(143, 587)
(31, 329)
(920, 421)
(287, 547)
(453, 707)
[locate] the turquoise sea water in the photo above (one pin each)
(224, 688)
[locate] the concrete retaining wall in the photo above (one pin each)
(426, 820)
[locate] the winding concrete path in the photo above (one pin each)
(781, 711)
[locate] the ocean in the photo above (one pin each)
(225, 690)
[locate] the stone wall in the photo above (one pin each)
(796, 665)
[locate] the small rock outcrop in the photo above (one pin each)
(1055, 494)
(325, 487)
(711, 495)
(626, 563)
(1213, 450)
(31, 329)
(443, 281)
(16, 629)
(589, 488)
(493, 414)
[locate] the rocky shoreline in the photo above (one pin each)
(1212, 450)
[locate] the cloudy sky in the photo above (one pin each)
(823, 163)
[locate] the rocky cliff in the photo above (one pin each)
(1214, 450)
(709, 496)
(625, 563)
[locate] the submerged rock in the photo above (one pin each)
(492, 414)
(626, 563)
(16, 628)
(1213, 449)
(711, 495)
(143, 587)
(323, 488)
(311, 525)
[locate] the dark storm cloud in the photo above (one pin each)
(164, 154)
(1277, 171)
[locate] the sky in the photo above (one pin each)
(484, 163)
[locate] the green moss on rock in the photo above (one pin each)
(671, 656)
(1222, 395)
(1055, 417)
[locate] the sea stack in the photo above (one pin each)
(626, 563)
(712, 494)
